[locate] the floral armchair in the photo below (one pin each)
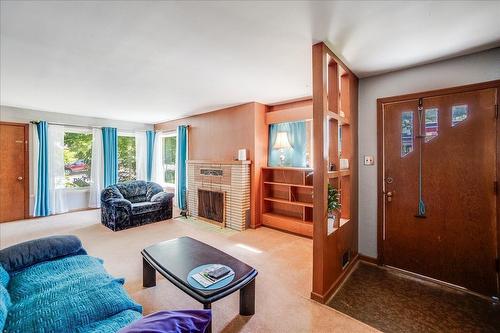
(134, 203)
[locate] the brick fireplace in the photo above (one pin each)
(220, 185)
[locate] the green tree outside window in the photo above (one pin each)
(126, 158)
(77, 159)
(169, 158)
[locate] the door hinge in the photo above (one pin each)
(495, 187)
(496, 111)
(497, 265)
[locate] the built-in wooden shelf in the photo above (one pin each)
(343, 221)
(288, 169)
(287, 199)
(291, 224)
(288, 184)
(341, 173)
(338, 117)
(290, 202)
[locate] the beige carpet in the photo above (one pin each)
(284, 263)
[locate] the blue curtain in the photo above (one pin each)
(294, 156)
(181, 154)
(110, 152)
(150, 139)
(42, 205)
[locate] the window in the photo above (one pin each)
(406, 133)
(126, 158)
(169, 158)
(77, 158)
(458, 114)
(290, 144)
(431, 124)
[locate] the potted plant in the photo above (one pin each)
(333, 204)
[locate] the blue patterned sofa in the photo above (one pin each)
(51, 285)
(134, 203)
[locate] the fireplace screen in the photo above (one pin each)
(211, 205)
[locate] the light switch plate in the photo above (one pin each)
(369, 160)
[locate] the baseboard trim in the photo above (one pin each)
(323, 299)
(368, 259)
(439, 283)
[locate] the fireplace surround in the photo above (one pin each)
(213, 185)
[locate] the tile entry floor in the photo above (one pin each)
(392, 301)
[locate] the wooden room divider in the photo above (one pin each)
(335, 137)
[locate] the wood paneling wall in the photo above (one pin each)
(218, 135)
(290, 111)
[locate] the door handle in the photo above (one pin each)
(19, 178)
(389, 196)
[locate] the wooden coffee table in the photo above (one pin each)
(175, 258)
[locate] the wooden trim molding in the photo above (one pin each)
(439, 92)
(380, 182)
(320, 180)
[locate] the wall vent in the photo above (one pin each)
(346, 258)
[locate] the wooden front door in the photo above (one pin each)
(13, 171)
(449, 232)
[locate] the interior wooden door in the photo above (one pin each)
(455, 240)
(13, 171)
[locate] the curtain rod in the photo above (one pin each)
(81, 126)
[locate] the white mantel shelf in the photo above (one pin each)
(217, 162)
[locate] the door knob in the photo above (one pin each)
(19, 178)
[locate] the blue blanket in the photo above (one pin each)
(73, 294)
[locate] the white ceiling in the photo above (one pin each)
(151, 61)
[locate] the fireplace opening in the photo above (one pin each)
(211, 205)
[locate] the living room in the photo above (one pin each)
(227, 166)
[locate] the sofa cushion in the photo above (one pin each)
(190, 321)
(5, 304)
(23, 255)
(4, 276)
(133, 191)
(152, 188)
(145, 207)
(65, 295)
(110, 193)
(162, 197)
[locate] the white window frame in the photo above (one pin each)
(163, 168)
